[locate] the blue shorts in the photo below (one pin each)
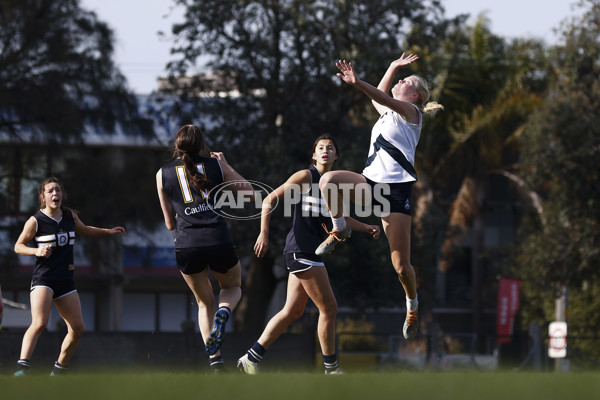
(298, 262)
(193, 260)
(398, 196)
(59, 288)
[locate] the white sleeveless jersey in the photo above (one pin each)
(404, 136)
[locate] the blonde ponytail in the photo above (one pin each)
(422, 88)
(432, 108)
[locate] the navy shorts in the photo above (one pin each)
(298, 262)
(398, 196)
(220, 258)
(59, 288)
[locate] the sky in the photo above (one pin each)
(142, 55)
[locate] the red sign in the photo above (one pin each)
(508, 305)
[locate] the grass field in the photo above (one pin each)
(305, 386)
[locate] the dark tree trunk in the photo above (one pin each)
(257, 290)
(15, 177)
(477, 263)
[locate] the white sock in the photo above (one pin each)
(412, 304)
(339, 223)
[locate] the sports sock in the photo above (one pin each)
(216, 363)
(227, 311)
(339, 223)
(59, 368)
(330, 362)
(256, 353)
(23, 365)
(412, 304)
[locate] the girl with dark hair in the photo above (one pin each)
(53, 228)
(201, 236)
(308, 277)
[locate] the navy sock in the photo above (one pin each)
(227, 311)
(59, 368)
(330, 362)
(23, 364)
(256, 353)
(216, 362)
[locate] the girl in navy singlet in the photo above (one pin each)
(53, 229)
(202, 239)
(308, 277)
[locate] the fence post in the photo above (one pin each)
(535, 333)
(562, 304)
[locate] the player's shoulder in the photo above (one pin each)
(33, 219)
(302, 176)
(68, 213)
(209, 160)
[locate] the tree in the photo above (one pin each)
(279, 56)
(57, 78)
(56, 71)
(58, 82)
(488, 97)
(560, 162)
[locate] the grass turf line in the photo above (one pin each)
(305, 386)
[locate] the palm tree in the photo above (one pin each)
(488, 99)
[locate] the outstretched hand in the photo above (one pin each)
(374, 231)
(116, 230)
(347, 72)
(405, 60)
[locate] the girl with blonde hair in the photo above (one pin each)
(387, 179)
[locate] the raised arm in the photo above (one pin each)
(404, 108)
(386, 83)
(231, 175)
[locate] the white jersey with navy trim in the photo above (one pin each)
(60, 235)
(310, 213)
(401, 134)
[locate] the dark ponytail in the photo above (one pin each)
(189, 143)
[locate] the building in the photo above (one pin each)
(125, 284)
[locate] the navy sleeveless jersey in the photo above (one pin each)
(307, 231)
(61, 236)
(197, 224)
